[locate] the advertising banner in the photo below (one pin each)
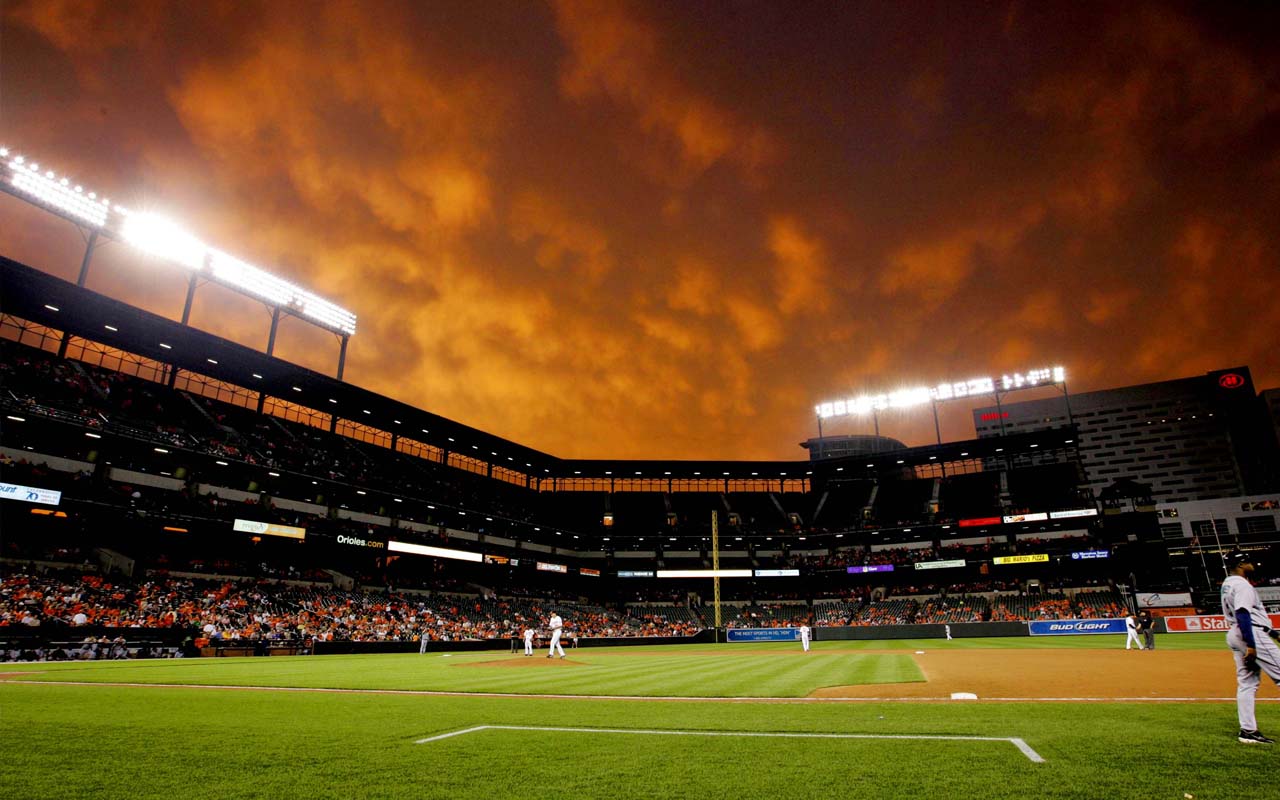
(546, 567)
(435, 552)
(595, 573)
(977, 521)
(635, 573)
(871, 568)
(704, 573)
(1206, 623)
(1038, 517)
(1032, 558)
(1163, 599)
(763, 634)
(29, 494)
(1085, 555)
(268, 529)
(1175, 611)
(955, 562)
(361, 541)
(1075, 512)
(1075, 627)
(777, 573)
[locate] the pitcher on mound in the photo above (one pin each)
(557, 627)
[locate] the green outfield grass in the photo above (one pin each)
(590, 671)
(732, 670)
(109, 741)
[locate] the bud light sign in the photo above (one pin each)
(1075, 627)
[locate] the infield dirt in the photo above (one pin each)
(1065, 674)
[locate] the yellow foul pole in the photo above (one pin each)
(715, 562)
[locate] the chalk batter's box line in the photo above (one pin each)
(1022, 746)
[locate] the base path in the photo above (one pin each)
(1063, 674)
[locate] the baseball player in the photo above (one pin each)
(804, 637)
(528, 640)
(557, 627)
(1131, 629)
(1254, 653)
(948, 627)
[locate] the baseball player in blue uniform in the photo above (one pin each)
(1252, 642)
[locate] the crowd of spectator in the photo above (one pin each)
(275, 612)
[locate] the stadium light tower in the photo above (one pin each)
(943, 392)
(166, 240)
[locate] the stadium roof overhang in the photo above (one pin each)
(48, 300)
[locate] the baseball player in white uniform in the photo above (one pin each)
(557, 627)
(528, 640)
(1131, 629)
(804, 637)
(1252, 642)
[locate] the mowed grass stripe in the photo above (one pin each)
(600, 673)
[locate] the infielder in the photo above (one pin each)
(804, 637)
(1131, 629)
(528, 640)
(1253, 652)
(557, 625)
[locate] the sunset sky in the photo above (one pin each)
(668, 229)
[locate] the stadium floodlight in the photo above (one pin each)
(47, 190)
(165, 239)
(232, 270)
(923, 395)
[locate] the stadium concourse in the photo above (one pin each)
(222, 497)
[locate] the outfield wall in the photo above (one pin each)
(470, 645)
(959, 630)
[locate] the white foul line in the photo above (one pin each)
(656, 698)
(1016, 742)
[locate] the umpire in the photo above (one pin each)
(1147, 627)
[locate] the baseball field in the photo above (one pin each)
(1070, 717)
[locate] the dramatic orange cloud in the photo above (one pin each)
(623, 229)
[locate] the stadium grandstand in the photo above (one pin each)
(185, 494)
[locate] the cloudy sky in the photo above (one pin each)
(667, 230)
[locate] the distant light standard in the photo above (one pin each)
(917, 396)
(164, 239)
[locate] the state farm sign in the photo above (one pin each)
(1207, 623)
